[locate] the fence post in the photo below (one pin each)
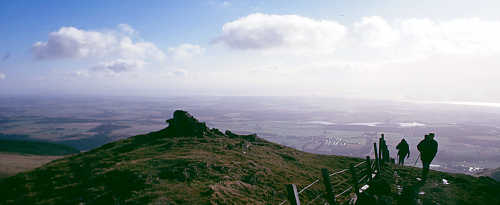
(330, 195)
(377, 160)
(380, 152)
(354, 178)
(369, 168)
(293, 195)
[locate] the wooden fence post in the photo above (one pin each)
(293, 195)
(354, 179)
(381, 152)
(377, 160)
(330, 195)
(369, 168)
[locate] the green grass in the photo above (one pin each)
(35, 148)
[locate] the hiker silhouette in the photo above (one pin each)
(428, 148)
(403, 151)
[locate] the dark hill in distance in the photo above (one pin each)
(35, 148)
(188, 163)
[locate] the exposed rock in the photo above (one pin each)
(216, 131)
(184, 124)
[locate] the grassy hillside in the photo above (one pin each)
(186, 163)
(35, 148)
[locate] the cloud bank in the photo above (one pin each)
(263, 31)
(410, 37)
(71, 42)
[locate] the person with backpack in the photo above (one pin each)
(403, 151)
(428, 148)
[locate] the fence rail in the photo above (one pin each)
(357, 182)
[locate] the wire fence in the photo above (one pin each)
(338, 185)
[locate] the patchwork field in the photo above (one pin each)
(11, 164)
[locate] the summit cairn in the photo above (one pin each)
(184, 124)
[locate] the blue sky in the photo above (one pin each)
(331, 48)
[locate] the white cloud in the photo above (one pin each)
(142, 50)
(458, 36)
(71, 42)
(185, 51)
(263, 31)
(2, 76)
(424, 37)
(120, 65)
(375, 32)
(111, 52)
(127, 29)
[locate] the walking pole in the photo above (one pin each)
(416, 160)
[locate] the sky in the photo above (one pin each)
(376, 49)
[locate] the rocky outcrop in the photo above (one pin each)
(185, 125)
